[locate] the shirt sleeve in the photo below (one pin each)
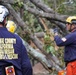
(64, 40)
(26, 65)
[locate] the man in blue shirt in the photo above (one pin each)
(13, 55)
(69, 41)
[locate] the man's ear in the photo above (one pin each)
(74, 25)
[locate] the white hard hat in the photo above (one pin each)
(3, 13)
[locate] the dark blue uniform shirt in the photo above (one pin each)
(69, 42)
(22, 64)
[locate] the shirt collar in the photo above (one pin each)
(3, 28)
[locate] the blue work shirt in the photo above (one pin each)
(69, 43)
(22, 63)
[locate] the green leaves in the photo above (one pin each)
(47, 39)
(48, 44)
(49, 49)
(19, 3)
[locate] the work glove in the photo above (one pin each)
(56, 30)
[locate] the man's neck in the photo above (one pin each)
(73, 30)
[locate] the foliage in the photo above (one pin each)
(62, 6)
(30, 19)
(48, 46)
(67, 8)
(61, 9)
(71, 8)
(32, 22)
(17, 5)
(34, 25)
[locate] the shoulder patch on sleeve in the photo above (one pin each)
(63, 39)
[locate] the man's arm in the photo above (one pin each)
(64, 40)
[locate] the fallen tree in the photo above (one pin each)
(42, 11)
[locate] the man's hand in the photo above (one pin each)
(56, 30)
